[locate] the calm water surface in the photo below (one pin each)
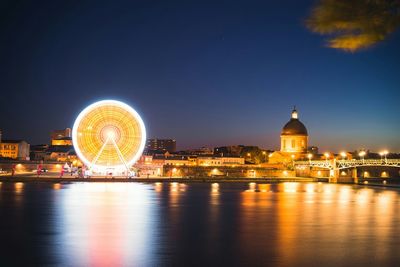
(132, 224)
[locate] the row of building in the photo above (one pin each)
(294, 146)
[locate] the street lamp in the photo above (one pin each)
(326, 156)
(309, 156)
(362, 155)
(385, 154)
(343, 154)
(381, 154)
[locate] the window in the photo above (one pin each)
(293, 143)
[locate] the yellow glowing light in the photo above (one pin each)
(362, 153)
(327, 155)
(343, 154)
(108, 134)
(285, 173)
(309, 156)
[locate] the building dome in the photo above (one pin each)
(294, 126)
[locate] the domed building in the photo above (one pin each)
(294, 135)
(294, 141)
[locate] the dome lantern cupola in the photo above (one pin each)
(294, 113)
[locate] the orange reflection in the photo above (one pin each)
(19, 187)
(158, 187)
(57, 186)
(264, 188)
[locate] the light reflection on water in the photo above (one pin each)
(176, 224)
(108, 224)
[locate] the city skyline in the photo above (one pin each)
(228, 76)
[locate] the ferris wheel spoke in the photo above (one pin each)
(121, 157)
(96, 158)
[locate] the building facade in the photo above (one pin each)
(219, 161)
(14, 149)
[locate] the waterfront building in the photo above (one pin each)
(294, 141)
(62, 141)
(219, 161)
(154, 144)
(14, 149)
(57, 134)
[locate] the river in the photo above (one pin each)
(198, 224)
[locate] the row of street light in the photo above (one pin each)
(327, 155)
(343, 154)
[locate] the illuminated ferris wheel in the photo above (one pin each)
(109, 134)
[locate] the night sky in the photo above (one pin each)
(203, 72)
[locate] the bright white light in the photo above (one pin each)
(111, 134)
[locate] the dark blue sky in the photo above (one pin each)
(203, 72)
